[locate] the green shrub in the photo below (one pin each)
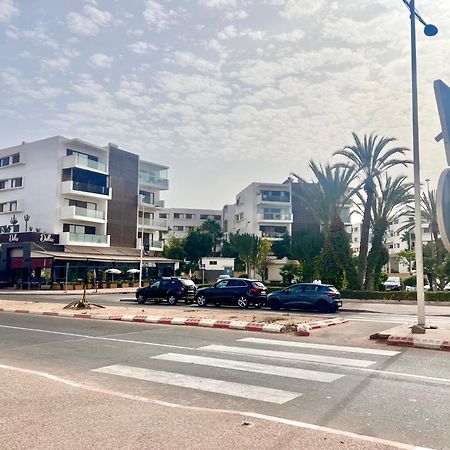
(410, 281)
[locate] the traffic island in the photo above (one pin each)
(436, 338)
(246, 320)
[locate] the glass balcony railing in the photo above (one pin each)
(275, 216)
(88, 238)
(92, 188)
(160, 223)
(157, 245)
(89, 163)
(92, 213)
(154, 180)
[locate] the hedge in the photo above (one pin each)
(441, 296)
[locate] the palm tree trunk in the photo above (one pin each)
(364, 245)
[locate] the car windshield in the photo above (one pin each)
(258, 284)
(393, 280)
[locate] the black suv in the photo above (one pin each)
(321, 297)
(233, 291)
(171, 289)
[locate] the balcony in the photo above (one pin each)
(283, 197)
(85, 189)
(83, 162)
(156, 246)
(274, 217)
(154, 224)
(153, 180)
(100, 240)
(82, 214)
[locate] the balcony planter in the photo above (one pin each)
(112, 285)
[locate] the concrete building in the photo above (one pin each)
(214, 266)
(71, 196)
(182, 220)
(262, 209)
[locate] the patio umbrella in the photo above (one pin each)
(133, 271)
(113, 272)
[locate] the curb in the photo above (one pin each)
(432, 344)
(305, 329)
(189, 321)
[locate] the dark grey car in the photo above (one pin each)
(321, 297)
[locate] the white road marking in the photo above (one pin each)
(337, 348)
(274, 419)
(245, 366)
(288, 355)
(100, 338)
(202, 384)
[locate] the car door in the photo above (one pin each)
(235, 288)
(294, 297)
(219, 291)
(153, 290)
(163, 288)
(309, 296)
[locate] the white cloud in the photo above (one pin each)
(60, 64)
(90, 22)
(188, 59)
(142, 47)
(293, 9)
(135, 32)
(37, 35)
(218, 3)
(291, 36)
(158, 17)
(8, 10)
(236, 15)
(100, 60)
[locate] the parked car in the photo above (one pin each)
(447, 287)
(171, 289)
(321, 297)
(242, 292)
(393, 284)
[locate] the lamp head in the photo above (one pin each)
(430, 30)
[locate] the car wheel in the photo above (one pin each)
(172, 299)
(201, 300)
(141, 299)
(323, 307)
(275, 305)
(242, 302)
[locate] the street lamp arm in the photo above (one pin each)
(429, 29)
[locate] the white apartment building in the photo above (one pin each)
(262, 209)
(182, 220)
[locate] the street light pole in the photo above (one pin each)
(141, 202)
(430, 30)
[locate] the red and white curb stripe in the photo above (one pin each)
(190, 321)
(421, 342)
(304, 329)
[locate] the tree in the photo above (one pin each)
(262, 258)
(407, 257)
(306, 246)
(197, 244)
(290, 272)
(247, 246)
(386, 207)
(214, 229)
(282, 248)
(26, 219)
(174, 248)
(228, 251)
(13, 221)
(370, 158)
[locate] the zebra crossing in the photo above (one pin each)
(394, 318)
(272, 362)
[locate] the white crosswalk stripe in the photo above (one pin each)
(281, 361)
(288, 372)
(248, 391)
(289, 355)
(335, 348)
(394, 318)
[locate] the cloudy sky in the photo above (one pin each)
(225, 92)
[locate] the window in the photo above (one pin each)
(178, 228)
(4, 161)
(178, 215)
(2, 184)
(3, 207)
(222, 284)
(15, 158)
(163, 215)
(355, 239)
(79, 229)
(13, 206)
(236, 283)
(310, 288)
(16, 182)
(190, 228)
(148, 197)
(217, 217)
(213, 263)
(190, 216)
(83, 155)
(203, 216)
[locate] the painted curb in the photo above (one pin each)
(419, 342)
(304, 329)
(189, 321)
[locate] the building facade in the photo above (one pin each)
(70, 196)
(182, 220)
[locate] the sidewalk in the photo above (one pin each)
(127, 290)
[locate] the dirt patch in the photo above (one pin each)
(288, 319)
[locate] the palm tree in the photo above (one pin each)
(386, 207)
(330, 192)
(214, 229)
(370, 158)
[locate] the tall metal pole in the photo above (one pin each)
(417, 200)
(141, 202)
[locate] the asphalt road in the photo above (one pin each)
(396, 394)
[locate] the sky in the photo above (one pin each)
(224, 92)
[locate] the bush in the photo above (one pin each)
(441, 296)
(410, 281)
